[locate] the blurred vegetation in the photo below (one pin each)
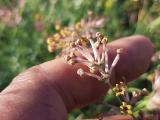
(23, 44)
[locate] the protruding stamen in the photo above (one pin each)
(102, 57)
(81, 60)
(95, 52)
(78, 42)
(93, 68)
(104, 40)
(116, 59)
(98, 34)
(71, 62)
(72, 54)
(93, 75)
(119, 51)
(106, 61)
(85, 52)
(80, 72)
(67, 58)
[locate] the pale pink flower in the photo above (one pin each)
(9, 17)
(154, 102)
(95, 59)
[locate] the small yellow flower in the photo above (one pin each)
(126, 108)
(62, 44)
(56, 36)
(52, 41)
(50, 48)
(119, 89)
(49, 40)
(65, 32)
(58, 26)
(53, 38)
(78, 26)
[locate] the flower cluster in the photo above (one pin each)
(93, 53)
(67, 35)
(80, 47)
(128, 101)
(96, 58)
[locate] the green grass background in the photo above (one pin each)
(23, 46)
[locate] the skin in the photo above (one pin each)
(52, 89)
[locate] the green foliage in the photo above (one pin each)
(23, 46)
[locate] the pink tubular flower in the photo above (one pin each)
(95, 59)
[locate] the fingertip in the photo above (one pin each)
(144, 40)
(135, 59)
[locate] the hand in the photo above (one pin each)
(50, 90)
